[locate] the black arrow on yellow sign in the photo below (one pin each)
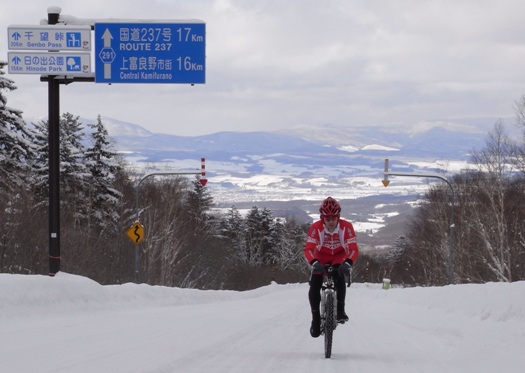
(136, 233)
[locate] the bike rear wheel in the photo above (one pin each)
(329, 325)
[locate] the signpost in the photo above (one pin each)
(150, 52)
(31, 41)
(125, 52)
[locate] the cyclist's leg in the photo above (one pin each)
(314, 297)
(314, 294)
(340, 287)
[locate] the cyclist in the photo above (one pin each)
(331, 240)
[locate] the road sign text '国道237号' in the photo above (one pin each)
(150, 52)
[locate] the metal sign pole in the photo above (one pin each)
(54, 165)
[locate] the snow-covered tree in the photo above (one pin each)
(17, 153)
(289, 248)
(16, 144)
(232, 231)
(397, 266)
(198, 203)
(102, 164)
(76, 181)
(428, 233)
(495, 163)
(40, 165)
(488, 220)
(259, 225)
(74, 176)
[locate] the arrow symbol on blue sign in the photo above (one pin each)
(107, 37)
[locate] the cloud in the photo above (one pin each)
(272, 64)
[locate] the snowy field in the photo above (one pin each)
(230, 183)
(72, 324)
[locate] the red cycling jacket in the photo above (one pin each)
(331, 248)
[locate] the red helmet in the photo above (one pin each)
(330, 207)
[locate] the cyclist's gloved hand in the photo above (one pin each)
(317, 268)
(344, 269)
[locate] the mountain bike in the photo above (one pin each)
(329, 309)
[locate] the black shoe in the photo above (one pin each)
(315, 329)
(342, 317)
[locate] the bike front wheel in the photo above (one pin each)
(329, 325)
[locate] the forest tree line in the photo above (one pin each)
(186, 243)
(190, 244)
(486, 208)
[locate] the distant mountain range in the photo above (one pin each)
(323, 144)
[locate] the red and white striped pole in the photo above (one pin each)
(203, 179)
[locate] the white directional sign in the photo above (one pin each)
(50, 63)
(54, 37)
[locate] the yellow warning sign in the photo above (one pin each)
(136, 233)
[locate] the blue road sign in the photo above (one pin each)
(150, 52)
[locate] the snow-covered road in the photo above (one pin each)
(72, 324)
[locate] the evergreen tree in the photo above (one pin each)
(271, 237)
(40, 165)
(75, 179)
(275, 240)
(16, 144)
(199, 202)
(397, 265)
(259, 225)
(232, 233)
(76, 183)
(17, 153)
(102, 164)
(73, 171)
(290, 252)
(253, 236)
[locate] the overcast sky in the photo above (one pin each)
(274, 64)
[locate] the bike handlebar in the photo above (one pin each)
(348, 279)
